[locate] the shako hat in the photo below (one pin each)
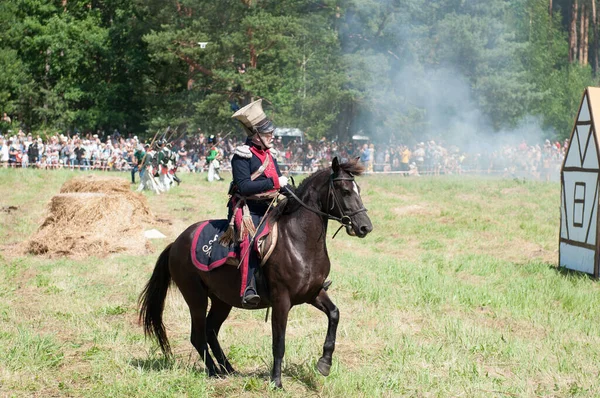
(253, 118)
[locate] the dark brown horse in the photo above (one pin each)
(294, 273)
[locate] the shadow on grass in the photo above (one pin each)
(302, 373)
(153, 363)
(569, 273)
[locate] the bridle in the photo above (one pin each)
(345, 219)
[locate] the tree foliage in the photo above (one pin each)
(385, 68)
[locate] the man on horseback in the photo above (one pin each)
(256, 183)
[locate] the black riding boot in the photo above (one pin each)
(251, 299)
(176, 179)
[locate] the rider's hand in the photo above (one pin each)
(283, 180)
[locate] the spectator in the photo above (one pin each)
(33, 152)
(3, 152)
(12, 152)
(365, 155)
(307, 164)
(405, 159)
(80, 159)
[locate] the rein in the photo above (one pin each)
(345, 219)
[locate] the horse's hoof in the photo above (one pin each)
(276, 384)
(323, 367)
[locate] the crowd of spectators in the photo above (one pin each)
(101, 151)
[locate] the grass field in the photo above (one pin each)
(454, 293)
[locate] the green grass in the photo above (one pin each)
(454, 293)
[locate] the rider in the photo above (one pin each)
(256, 182)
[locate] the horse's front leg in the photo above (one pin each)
(324, 303)
(281, 309)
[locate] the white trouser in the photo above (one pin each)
(165, 181)
(213, 171)
(148, 181)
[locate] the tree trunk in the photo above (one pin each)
(550, 9)
(594, 20)
(190, 82)
(582, 40)
(573, 33)
(253, 56)
(585, 40)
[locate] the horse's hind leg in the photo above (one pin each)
(219, 311)
(198, 337)
(196, 297)
(324, 303)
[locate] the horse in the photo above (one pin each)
(295, 272)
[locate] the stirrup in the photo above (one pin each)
(250, 299)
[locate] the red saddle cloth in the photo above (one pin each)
(207, 253)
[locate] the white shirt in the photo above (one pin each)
(4, 153)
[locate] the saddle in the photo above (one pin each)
(207, 253)
(265, 244)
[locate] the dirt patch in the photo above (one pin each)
(8, 209)
(515, 191)
(516, 251)
(416, 210)
(468, 198)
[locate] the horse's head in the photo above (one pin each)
(344, 201)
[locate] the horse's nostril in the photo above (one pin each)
(365, 229)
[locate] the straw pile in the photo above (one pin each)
(110, 185)
(106, 219)
(93, 183)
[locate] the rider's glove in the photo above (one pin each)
(283, 180)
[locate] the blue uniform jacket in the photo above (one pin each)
(242, 168)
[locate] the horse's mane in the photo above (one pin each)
(303, 191)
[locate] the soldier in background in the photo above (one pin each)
(138, 159)
(213, 160)
(148, 180)
(163, 157)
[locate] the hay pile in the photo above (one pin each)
(93, 216)
(110, 185)
(92, 183)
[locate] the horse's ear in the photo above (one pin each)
(335, 165)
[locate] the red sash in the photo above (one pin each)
(268, 165)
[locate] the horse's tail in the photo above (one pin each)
(152, 301)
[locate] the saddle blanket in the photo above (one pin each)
(206, 251)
